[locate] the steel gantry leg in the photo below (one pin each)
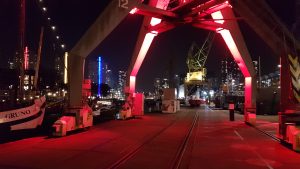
(236, 44)
(107, 21)
(145, 38)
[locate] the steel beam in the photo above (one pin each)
(162, 27)
(236, 44)
(107, 21)
(209, 25)
(154, 12)
(208, 7)
(277, 36)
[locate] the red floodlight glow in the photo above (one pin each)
(132, 84)
(143, 51)
(226, 35)
(248, 91)
(218, 17)
(26, 59)
(162, 4)
(133, 11)
(234, 51)
(154, 32)
(155, 21)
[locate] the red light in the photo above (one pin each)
(226, 35)
(218, 17)
(248, 91)
(26, 58)
(132, 84)
(154, 21)
(162, 4)
(230, 43)
(143, 51)
(154, 32)
(133, 11)
(234, 51)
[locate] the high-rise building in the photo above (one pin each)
(32, 61)
(59, 68)
(14, 63)
(93, 71)
(107, 75)
(108, 78)
(121, 83)
(231, 75)
(255, 64)
(165, 83)
(157, 86)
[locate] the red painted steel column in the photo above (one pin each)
(235, 43)
(143, 44)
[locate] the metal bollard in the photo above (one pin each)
(231, 112)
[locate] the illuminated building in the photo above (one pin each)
(121, 83)
(107, 76)
(230, 74)
(59, 68)
(93, 71)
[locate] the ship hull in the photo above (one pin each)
(24, 118)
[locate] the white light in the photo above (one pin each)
(41, 0)
(31, 97)
(279, 66)
(24, 98)
(66, 68)
(211, 93)
(57, 37)
(44, 9)
(3, 100)
(62, 46)
(48, 19)
(53, 27)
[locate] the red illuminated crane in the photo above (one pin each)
(213, 15)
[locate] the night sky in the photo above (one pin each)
(73, 17)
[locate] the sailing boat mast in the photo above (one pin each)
(37, 68)
(21, 47)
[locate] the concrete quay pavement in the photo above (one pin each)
(152, 142)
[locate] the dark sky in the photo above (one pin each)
(73, 17)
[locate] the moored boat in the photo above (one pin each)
(29, 117)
